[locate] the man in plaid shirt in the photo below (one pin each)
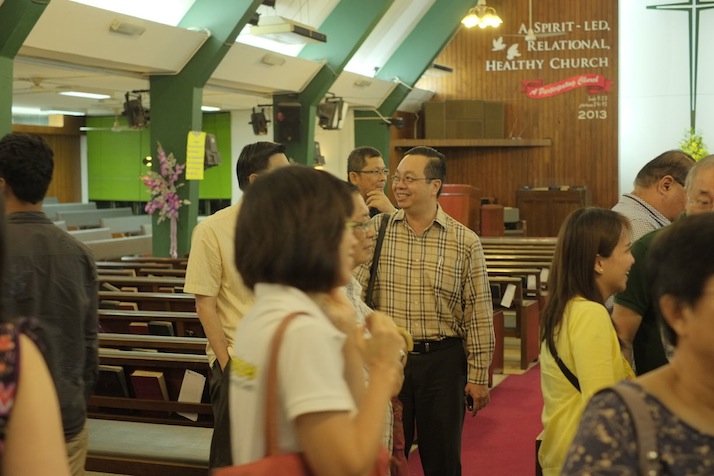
(431, 278)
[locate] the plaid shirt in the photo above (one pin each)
(435, 285)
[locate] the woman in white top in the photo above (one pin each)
(295, 248)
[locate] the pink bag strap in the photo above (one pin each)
(271, 401)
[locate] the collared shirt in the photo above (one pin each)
(435, 285)
(51, 276)
(211, 271)
(353, 290)
(643, 216)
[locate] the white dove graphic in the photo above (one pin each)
(498, 44)
(512, 52)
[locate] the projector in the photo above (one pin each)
(286, 31)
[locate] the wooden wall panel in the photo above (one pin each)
(66, 182)
(582, 125)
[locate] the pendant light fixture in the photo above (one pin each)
(482, 16)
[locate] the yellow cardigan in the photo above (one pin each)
(587, 344)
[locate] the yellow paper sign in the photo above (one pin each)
(195, 153)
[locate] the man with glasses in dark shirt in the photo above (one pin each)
(366, 170)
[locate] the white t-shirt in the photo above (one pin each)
(310, 370)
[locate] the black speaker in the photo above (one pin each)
(287, 122)
(259, 122)
(136, 115)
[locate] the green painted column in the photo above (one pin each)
(414, 56)
(372, 131)
(347, 26)
(17, 18)
(176, 102)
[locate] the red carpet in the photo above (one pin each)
(500, 440)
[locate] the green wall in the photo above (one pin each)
(115, 160)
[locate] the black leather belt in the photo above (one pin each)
(426, 346)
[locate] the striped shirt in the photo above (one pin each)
(643, 217)
(435, 285)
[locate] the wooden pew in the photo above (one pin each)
(52, 209)
(533, 287)
(179, 273)
(151, 261)
(146, 436)
(173, 367)
(118, 247)
(127, 447)
(181, 345)
(530, 258)
(514, 263)
(153, 284)
(520, 267)
(152, 301)
(511, 241)
(126, 225)
(185, 324)
(90, 234)
(116, 272)
(91, 218)
(527, 317)
(128, 265)
(520, 250)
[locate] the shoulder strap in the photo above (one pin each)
(375, 260)
(271, 397)
(644, 429)
(568, 374)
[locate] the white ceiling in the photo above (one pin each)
(71, 48)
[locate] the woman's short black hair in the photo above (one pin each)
(290, 227)
(680, 263)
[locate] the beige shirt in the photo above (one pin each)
(211, 271)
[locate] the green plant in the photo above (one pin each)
(693, 144)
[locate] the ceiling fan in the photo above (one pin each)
(116, 127)
(32, 85)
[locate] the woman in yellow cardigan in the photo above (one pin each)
(580, 352)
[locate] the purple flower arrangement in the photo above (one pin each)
(163, 188)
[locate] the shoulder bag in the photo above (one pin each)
(375, 260)
(276, 463)
(644, 429)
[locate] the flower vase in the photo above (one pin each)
(173, 251)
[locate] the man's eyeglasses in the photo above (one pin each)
(362, 226)
(384, 172)
(407, 180)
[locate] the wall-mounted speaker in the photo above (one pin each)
(136, 116)
(287, 122)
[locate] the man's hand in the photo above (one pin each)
(377, 199)
(480, 395)
(627, 323)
